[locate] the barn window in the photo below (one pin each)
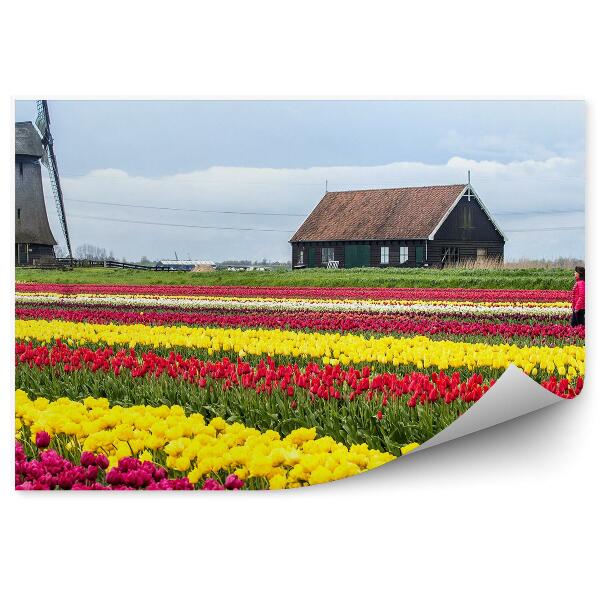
(450, 255)
(385, 255)
(301, 256)
(466, 222)
(467, 216)
(327, 254)
(403, 254)
(481, 252)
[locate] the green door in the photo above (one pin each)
(311, 256)
(419, 255)
(357, 255)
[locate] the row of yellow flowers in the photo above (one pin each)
(332, 348)
(287, 300)
(194, 447)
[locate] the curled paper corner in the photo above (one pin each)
(513, 395)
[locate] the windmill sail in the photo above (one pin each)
(41, 123)
(49, 160)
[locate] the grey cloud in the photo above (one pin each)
(508, 146)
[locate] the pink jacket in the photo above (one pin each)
(579, 295)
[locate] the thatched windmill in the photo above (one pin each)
(34, 241)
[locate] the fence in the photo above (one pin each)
(108, 264)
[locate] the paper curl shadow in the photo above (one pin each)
(513, 395)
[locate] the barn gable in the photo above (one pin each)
(467, 220)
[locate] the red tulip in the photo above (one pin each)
(267, 377)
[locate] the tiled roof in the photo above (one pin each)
(397, 213)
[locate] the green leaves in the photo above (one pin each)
(505, 278)
(348, 422)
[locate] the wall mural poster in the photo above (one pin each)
(274, 295)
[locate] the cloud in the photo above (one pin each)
(501, 147)
(551, 184)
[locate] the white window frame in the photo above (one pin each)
(403, 252)
(385, 255)
(482, 253)
(327, 254)
(301, 256)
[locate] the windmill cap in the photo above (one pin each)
(27, 140)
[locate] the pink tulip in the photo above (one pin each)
(42, 439)
(480, 295)
(212, 484)
(233, 482)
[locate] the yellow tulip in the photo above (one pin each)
(301, 458)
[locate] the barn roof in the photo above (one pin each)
(27, 140)
(396, 213)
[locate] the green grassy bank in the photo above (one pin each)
(534, 279)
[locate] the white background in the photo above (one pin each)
(509, 512)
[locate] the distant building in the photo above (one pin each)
(245, 266)
(400, 227)
(33, 237)
(184, 265)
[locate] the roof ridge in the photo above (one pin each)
(413, 187)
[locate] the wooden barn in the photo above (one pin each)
(399, 227)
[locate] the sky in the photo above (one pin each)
(186, 166)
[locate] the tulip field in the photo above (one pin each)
(181, 387)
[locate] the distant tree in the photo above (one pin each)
(91, 252)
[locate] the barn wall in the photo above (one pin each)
(394, 246)
(295, 254)
(337, 246)
(467, 249)
(375, 252)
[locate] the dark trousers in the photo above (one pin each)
(578, 318)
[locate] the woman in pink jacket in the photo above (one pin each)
(578, 304)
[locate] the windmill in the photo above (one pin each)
(34, 241)
(49, 160)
